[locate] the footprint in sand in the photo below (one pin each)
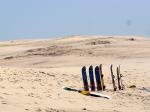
(1, 97)
(53, 110)
(3, 102)
(38, 110)
(27, 109)
(6, 94)
(2, 87)
(31, 94)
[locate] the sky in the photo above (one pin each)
(28, 19)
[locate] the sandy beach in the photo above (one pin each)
(34, 72)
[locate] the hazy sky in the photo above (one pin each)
(55, 18)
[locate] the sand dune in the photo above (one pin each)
(34, 72)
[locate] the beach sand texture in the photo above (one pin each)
(34, 72)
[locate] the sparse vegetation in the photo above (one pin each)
(97, 42)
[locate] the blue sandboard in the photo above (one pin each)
(98, 78)
(92, 83)
(85, 81)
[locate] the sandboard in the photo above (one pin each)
(84, 77)
(91, 76)
(120, 85)
(113, 78)
(98, 79)
(87, 93)
(102, 77)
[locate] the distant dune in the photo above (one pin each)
(33, 72)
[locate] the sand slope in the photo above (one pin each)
(33, 73)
